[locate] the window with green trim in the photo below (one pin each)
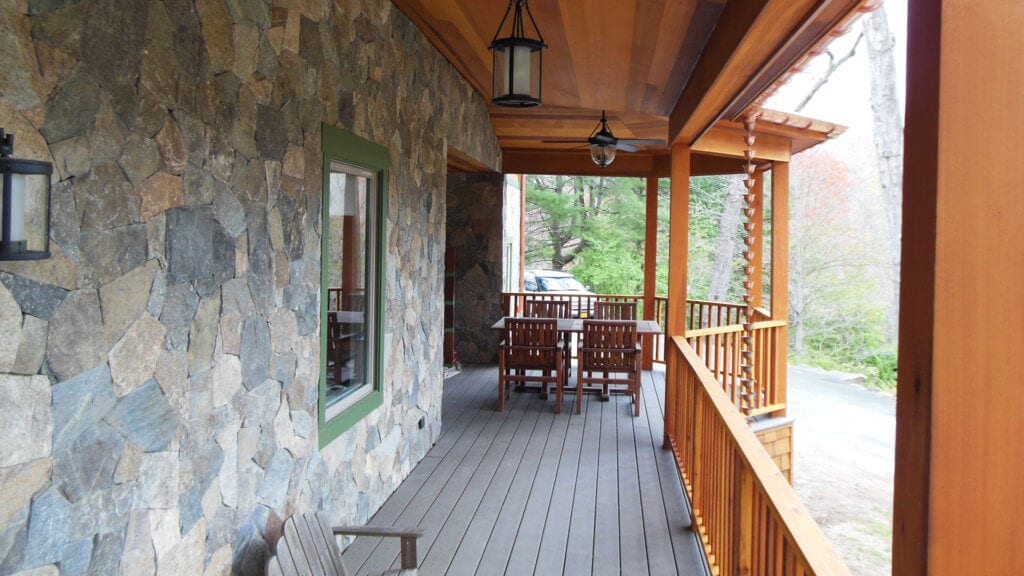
(352, 280)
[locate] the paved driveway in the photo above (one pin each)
(844, 452)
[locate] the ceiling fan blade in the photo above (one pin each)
(626, 147)
(566, 141)
(642, 142)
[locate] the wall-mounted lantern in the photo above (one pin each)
(517, 60)
(25, 220)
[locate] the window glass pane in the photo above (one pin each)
(350, 295)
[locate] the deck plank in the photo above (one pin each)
(527, 491)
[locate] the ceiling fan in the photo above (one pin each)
(603, 144)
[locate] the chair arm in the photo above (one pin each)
(408, 536)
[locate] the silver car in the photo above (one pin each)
(558, 283)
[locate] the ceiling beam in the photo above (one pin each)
(732, 58)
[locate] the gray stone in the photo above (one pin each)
(113, 35)
(189, 243)
(73, 343)
(179, 309)
(28, 430)
(109, 254)
(236, 306)
(88, 463)
(156, 237)
(261, 404)
(140, 159)
(172, 147)
(64, 223)
(310, 48)
(124, 300)
(21, 483)
(155, 305)
(20, 76)
(199, 187)
(128, 466)
(255, 352)
(172, 375)
(266, 58)
(109, 135)
(229, 211)
(261, 273)
(106, 553)
(226, 379)
(105, 199)
(275, 484)
(220, 162)
(283, 368)
(302, 423)
(137, 555)
(251, 12)
(71, 110)
(160, 192)
(151, 115)
(10, 327)
(48, 529)
(304, 304)
(292, 227)
(74, 559)
(35, 298)
(32, 349)
(133, 359)
(72, 158)
(271, 139)
(79, 403)
(102, 511)
(216, 33)
(161, 74)
(158, 480)
(145, 417)
(223, 262)
(203, 334)
(58, 269)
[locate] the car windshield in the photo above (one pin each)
(561, 284)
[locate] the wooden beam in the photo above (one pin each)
(959, 461)
(733, 55)
(520, 161)
(730, 142)
(461, 162)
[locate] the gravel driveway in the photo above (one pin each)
(844, 452)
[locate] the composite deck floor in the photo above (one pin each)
(526, 491)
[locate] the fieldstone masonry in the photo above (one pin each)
(158, 374)
(474, 232)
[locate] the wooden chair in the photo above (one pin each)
(546, 308)
(614, 310)
(531, 345)
(308, 547)
(609, 354)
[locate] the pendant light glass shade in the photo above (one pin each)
(517, 61)
(602, 154)
(25, 207)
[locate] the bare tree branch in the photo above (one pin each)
(833, 65)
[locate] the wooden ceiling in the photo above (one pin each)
(666, 69)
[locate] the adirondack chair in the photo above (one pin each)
(308, 547)
(609, 354)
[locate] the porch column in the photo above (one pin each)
(650, 265)
(780, 275)
(678, 240)
(960, 411)
(678, 246)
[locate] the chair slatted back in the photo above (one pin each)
(534, 308)
(615, 310)
(530, 343)
(608, 345)
(307, 547)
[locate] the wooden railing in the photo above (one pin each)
(719, 349)
(749, 519)
(706, 314)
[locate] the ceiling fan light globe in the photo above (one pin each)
(602, 154)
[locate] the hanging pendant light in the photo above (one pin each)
(517, 61)
(602, 143)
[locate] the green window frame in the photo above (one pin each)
(341, 148)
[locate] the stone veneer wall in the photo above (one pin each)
(474, 232)
(158, 375)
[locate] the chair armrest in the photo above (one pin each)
(408, 536)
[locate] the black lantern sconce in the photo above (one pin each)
(517, 61)
(25, 220)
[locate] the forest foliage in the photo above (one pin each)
(594, 228)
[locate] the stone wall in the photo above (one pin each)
(158, 375)
(474, 232)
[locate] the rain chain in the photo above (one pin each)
(748, 392)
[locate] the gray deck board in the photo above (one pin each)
(527, 491)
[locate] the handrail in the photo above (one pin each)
(749, 519)
(759, 390)
(733, 328)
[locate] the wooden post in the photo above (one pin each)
(757, 278)
(679, 227)
(522, 231)
(744, 490)
(780, 275)
(959, 459)
(650, 265)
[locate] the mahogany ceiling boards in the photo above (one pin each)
(664, 69)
